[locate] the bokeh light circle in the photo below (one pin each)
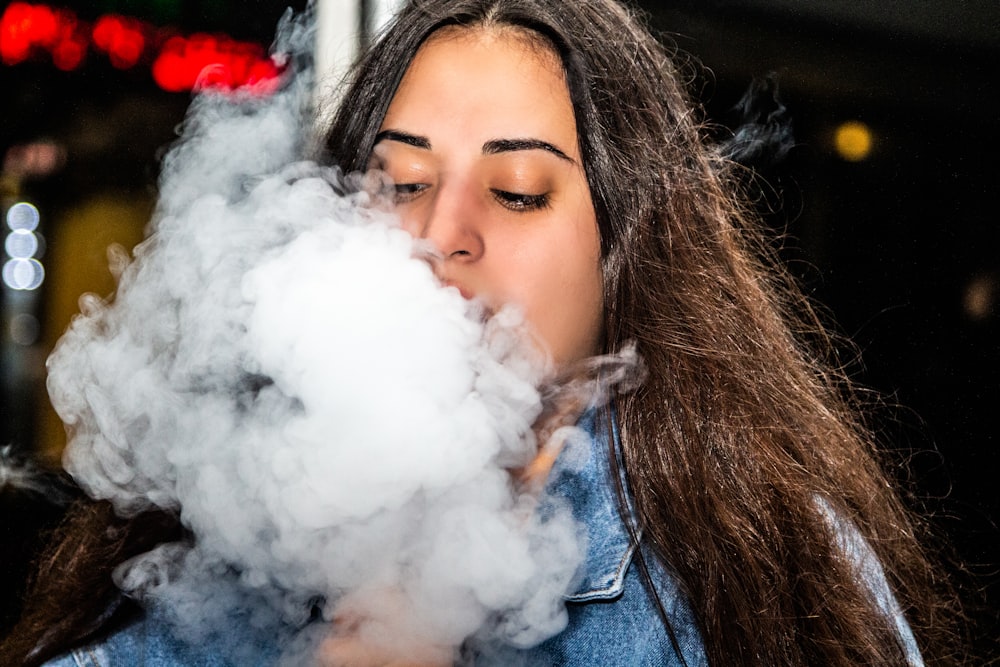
(23, 274)
(21, 244)
(23, 216)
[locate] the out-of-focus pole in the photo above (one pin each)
(339, 33)
(380, 13)
(342, 27)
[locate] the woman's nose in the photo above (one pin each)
(450, 221)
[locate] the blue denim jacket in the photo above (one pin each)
(613, 619)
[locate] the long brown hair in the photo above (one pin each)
(71, 596)
(743, 428)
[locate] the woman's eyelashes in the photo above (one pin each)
(516, 201)
(513, 201)
(408, 191)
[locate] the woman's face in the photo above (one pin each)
(481, 142)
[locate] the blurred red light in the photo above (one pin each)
(168, 68)
(104, 31)
(68, 54)
(215, 75)
(121, 38)
(198, 62)
(264, 77)
(71, 41)
(23, 27)
(213, 62)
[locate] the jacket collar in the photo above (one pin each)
(582, 476)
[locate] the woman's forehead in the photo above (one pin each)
(485, 84)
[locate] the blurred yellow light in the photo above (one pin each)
(853, 141)
(980, 297)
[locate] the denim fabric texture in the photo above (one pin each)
(869, 569)
(613, 618)
(148, 642)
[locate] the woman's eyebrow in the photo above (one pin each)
(505, 145)
(491, 147)
(403, 138)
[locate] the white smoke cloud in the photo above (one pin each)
(333, 426)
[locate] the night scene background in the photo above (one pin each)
(885, 204)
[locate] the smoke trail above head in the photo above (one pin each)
(763, 134)
(333, 427)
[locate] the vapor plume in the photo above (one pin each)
(334, 428)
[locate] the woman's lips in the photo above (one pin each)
(467, 294)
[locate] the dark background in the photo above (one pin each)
(894, 246)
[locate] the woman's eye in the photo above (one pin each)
(521, 202)
(407, 191)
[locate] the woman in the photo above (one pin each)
(738, 429)
(548, 153)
